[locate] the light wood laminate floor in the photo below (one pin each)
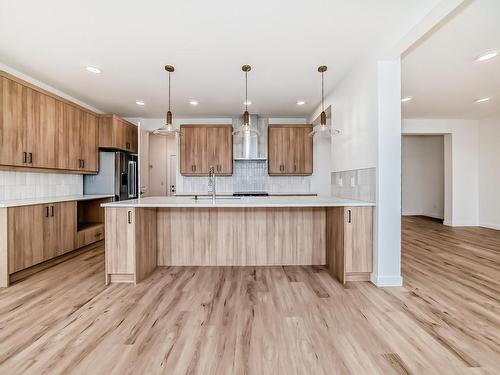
(257, 320)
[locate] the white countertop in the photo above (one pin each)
(205, 202)
(182, 194)
(33, 201)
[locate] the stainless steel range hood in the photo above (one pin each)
(251, 147)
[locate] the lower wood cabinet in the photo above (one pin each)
(349, 242)
(131, 252)
(39, 233)
(30, 235)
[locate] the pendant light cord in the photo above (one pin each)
(246, 91)
(169, 91)
(322, 93)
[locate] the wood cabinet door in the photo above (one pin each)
(301, 146)
(41, 139)
(62, 136)
(72, 120)
(131, 138)
(224, 150)
(276, 151)
(64, 215)
(88, 141)
(193, 150)
(120, 241)
(12, 129)
(25, 236)
(51, 233)
(358, 239)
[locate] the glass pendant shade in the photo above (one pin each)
(323, 128)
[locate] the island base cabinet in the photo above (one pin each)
(130, 244)
(349, 243)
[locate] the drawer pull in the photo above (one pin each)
(129, 217)
(98, 235)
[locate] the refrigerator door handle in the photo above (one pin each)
(130, 193)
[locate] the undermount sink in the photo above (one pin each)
(217, 197)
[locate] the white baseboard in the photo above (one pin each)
(428, 214)
(382, 281)
(490, 226)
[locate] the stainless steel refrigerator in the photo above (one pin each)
(117, 176)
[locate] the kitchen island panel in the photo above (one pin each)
(241, 236)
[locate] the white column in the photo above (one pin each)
(387, 229)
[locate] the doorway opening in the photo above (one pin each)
(423, 176)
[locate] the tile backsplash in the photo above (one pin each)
(26, 185)
(249, 175)
(359, 184)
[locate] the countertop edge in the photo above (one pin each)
(44, 200)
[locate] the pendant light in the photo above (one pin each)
(322, 127)
(168, 128)
(245, 129)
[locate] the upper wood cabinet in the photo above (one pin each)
(118, 134)
(40, 130)
(203, 146)
(290, 150)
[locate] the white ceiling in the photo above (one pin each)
(440, 72)
(207, 42)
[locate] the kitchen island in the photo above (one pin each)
(145, 233)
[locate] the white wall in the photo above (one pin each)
(489, 172)
(463, 186)
(422, 172)
(366, 109)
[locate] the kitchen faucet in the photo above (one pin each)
(211, 182)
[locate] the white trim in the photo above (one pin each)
(490, 226)
(382, 281)
(435, 216)
(463, 225)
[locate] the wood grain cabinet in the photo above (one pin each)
(31, 235)
(131, 252)
(38, 233)
(202, 146)
(290, 150)
(40, 130)
(349, 242)
(117, 134)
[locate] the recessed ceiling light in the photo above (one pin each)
(93, 69)
(487, 55)
(482, 100)
(406, 99)
(301, 102)
(247, 102)
(193, 102)
(140, 102)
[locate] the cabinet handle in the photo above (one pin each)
(83, 163)
(51, 210)
(295, 168)
(25, 155)
(194, 167)
(349, 216)
(30, 158)
(98, 235)
(129, 217)
(47, 211)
